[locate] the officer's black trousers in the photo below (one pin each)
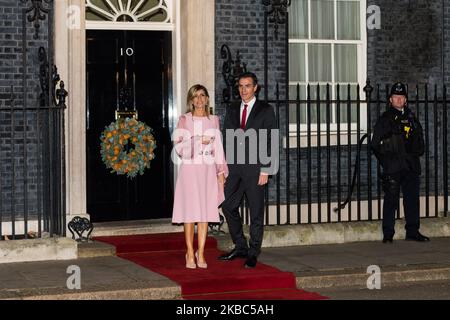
(409, 183)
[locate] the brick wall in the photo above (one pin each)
(240, 25)
(408, 47)
(412, 46)
(446, 36)
(446, 66)
(18, 128)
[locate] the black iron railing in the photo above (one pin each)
(336, 178)
(32, 154)
(32, 198)
(318, 170)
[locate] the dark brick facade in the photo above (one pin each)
(413, 45)
(410, 47)
(240, 25)
(18, 128)
(446, 39)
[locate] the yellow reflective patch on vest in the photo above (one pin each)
(407, 130)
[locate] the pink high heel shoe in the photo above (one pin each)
(202, 265)
(190, 264)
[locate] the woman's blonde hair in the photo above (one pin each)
(190, 96)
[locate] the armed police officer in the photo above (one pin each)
(398, 143)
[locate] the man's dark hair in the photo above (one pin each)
(249, 75)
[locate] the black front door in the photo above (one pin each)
(128, 70)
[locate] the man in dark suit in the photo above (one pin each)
(250, 145)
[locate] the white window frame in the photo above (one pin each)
(362, 70)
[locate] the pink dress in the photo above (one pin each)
(198, 193)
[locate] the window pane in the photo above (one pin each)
(293, 106)
(348, 23)
(346, 62)
(343, 98)
(319, 56)
(343, 91)
(315, 103)
(298, 19)
(297, 70)
(322, 19)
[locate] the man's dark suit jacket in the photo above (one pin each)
(262, 116)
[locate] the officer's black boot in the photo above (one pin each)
(417, 237)
(387, 239)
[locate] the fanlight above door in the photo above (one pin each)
(159, 11)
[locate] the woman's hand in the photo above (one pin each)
(221, 179)
(207, 139)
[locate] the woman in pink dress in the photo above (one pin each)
(201, 177)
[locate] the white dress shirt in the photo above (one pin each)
(250, 105)
(249, 109)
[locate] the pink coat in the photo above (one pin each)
(198, 193)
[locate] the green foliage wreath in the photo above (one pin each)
(127, 147)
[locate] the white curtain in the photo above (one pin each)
(346, 63)
(319, 63)
(293, 106)
(298, 19)
(343, 97)
(322, 19)
(348, 16)
(297, 68)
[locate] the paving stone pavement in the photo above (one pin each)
(100, 277)
(316, 267)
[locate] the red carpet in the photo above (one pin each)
(229, 280)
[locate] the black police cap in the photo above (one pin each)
(398, 89)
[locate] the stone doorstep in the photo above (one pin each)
(166, 293)
(334, 233)
(95, 249)
(133, 231)
(390, 276)
(135, 227)
(58, 248)
(30, 250)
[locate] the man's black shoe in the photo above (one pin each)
(250, 262)
(232, 255)
(387, 240)
(418, 237)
